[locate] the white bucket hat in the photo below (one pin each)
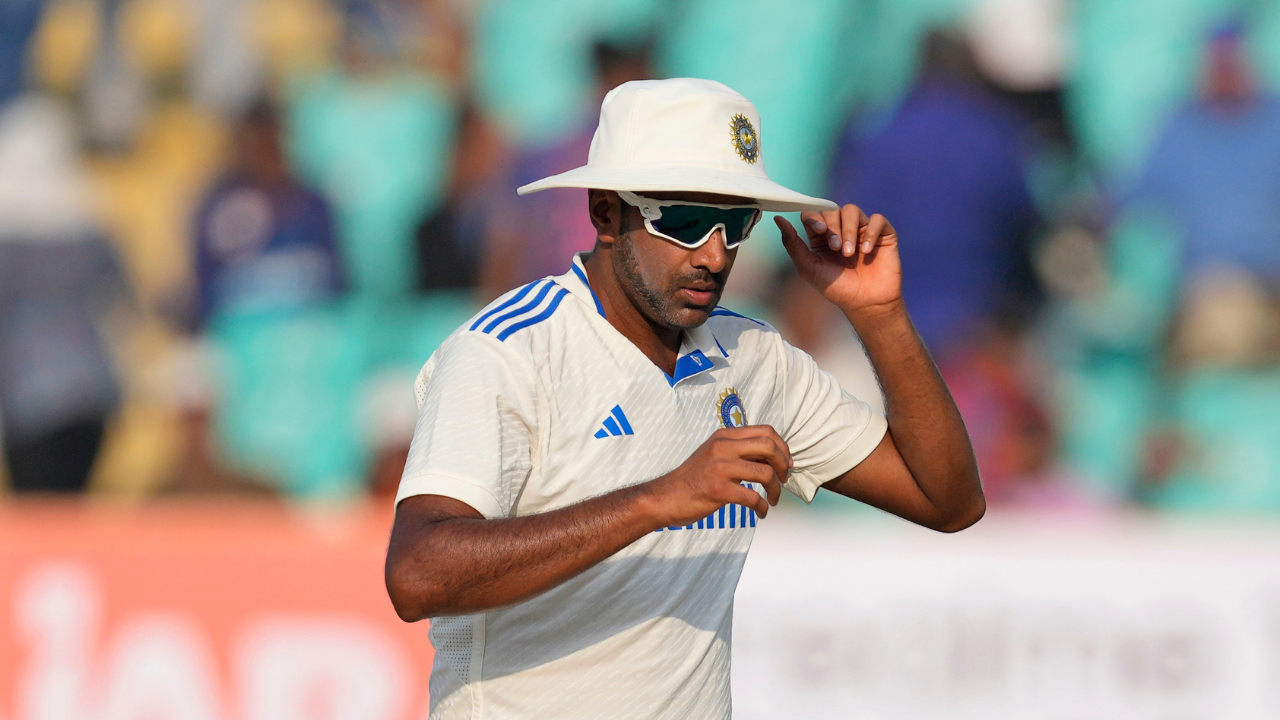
(682, 135)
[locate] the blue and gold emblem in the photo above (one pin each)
(732, 414)
(745, 139)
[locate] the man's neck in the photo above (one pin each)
(659, 343)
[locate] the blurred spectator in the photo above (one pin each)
(1215, 172)
(1215, 169)
(948, 169)
(451, 240)
(58, 279)
(373, 136)
(536, 235)
(263, 240)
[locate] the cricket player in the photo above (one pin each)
(594, 450)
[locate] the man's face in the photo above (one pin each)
(671, 285)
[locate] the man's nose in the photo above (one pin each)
(712, 255)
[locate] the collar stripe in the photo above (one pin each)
(583, 277)
(725, 311)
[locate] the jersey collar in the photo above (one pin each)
(699, 349)
(576, 281)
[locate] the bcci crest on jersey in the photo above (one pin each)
(732, 414)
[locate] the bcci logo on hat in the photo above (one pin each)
(732, 414)
(745, 140)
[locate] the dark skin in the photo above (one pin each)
(445, 558)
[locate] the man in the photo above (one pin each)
(594, 449)
(1214, 170)
(60, 280)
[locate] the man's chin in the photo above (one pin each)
(688, 317)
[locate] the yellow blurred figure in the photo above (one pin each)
(296, 36)
(157, 36)
(65, 44)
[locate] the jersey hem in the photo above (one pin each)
(447, 485)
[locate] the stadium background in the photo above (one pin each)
(231, 231)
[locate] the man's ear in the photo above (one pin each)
(605, 208)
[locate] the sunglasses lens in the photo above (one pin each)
(744, 219)
(689, 224)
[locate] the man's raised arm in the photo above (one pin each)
(924, 469)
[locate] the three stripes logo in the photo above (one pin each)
(615, 425)
(534, 303)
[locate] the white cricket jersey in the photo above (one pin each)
(538, 403)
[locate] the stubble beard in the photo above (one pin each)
(658, 305)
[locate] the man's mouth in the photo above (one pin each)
(701, 295)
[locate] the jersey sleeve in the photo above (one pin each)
(477, 417)
(828, 430)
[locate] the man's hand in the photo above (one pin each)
(850, 258)
(711, 477)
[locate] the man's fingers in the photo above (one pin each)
(852, 219)
(774, 445)
(831, 218)
(742, 495)
(814, 225)
(877, 228)
(772, 487)
(820, 233)
(762, 452)
(765, 451)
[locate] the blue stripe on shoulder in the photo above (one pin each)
(726, 311)
(537, 300)
(503, 306)
(555, 302)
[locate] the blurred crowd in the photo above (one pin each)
(231, 231)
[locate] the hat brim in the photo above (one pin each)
(771, 196)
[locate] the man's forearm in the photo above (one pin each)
(470, 564)
(924, 422)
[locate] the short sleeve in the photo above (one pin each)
(476, 420)
(828, 430)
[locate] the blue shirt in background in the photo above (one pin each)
(947, 170)
(261, 248)
(1216, 171)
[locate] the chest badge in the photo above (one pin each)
(732, 413)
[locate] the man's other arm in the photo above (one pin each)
(924, 469)
(445, 558)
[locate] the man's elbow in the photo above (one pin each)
(964, 518)
(412, 600)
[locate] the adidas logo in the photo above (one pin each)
(615, 425)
